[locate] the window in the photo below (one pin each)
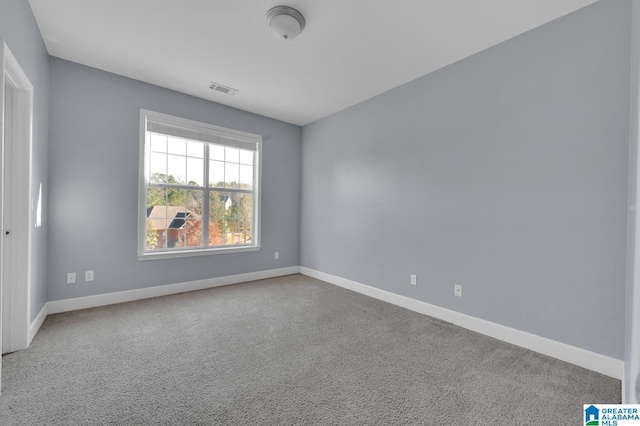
(199, 188)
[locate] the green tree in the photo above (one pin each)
(152, 236)
(245, 213)
(239, 216)
(194, 201)
(231, 215)
(217, 212)
(165, 196)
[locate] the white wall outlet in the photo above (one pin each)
(71, 278)
(276, 255)
(414, 280)
(457, 290)
(88, 276)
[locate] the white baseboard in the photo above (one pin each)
(590, 360)
(37, 323)
(74, 304)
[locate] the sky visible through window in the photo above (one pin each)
(184, 161)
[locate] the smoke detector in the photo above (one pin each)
(222, 88)
(285, 22)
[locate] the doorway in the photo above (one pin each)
(16, 114)
(5, 262)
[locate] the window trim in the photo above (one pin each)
(208, 129)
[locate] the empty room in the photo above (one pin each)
(319, 212)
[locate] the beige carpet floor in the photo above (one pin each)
(283, 351)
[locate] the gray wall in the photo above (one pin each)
(19, 30)
(94, 175)
(505, 172)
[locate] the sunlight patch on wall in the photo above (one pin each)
(39, 208)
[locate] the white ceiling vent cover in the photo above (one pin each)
(222, 88)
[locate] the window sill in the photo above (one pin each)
(194, 253)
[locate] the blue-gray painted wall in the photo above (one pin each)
(94, 159)
(19, 30)
(505, 172)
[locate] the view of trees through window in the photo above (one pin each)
(198, 194)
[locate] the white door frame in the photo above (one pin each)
(15, 283)
(631, 375)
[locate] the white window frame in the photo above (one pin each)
(208, 133)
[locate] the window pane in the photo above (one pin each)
(193, 230)
(238, 218)
(245, 218)
(215, 234)
(158, 143)
(194, 202)
(176, 198)
(232, 155)
(219, 206)
(184, 213)
(156, 223)
(176, 217)
(246, 157)
(216, 152)
(246, 177)
(234, 236)
(173, 238)
(195, 149)
(245, 231)
(157, 167)
(195, 171)
(156, 197)
(232, 220)
(176, 169)
(177, 146)
(231, 175)
(216, 173)
(179, 207)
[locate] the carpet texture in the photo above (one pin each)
(283, 351)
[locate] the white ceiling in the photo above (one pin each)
(350, 50)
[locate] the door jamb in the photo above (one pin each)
(18, 286)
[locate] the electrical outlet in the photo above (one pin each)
(414, 280)
(457, 290)
(88, 276)
(71, 278)
(276, 255)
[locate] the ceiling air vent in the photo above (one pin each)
(221, 88)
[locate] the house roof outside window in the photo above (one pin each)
(176, 216)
